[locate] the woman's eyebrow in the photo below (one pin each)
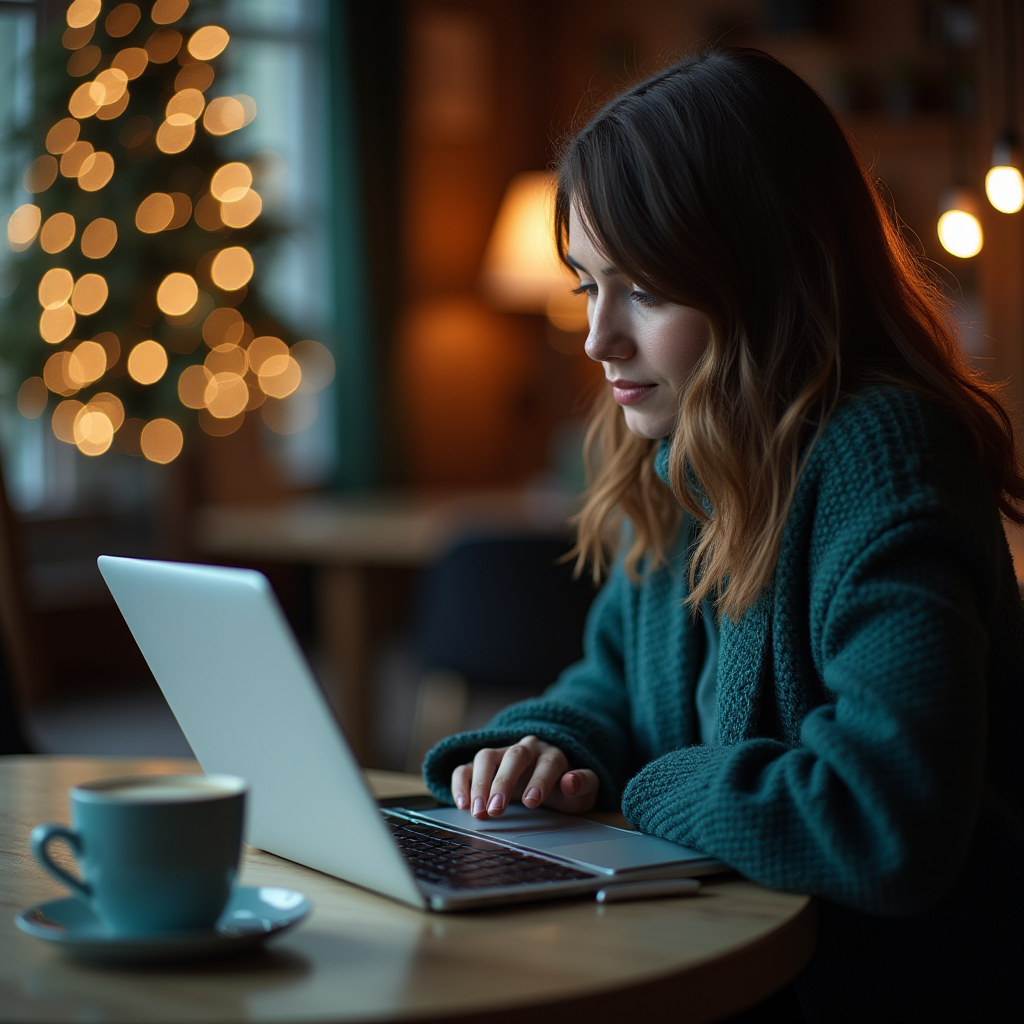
(606, 271)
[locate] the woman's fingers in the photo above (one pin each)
(550, 767)
(462, 779)
(495, 792)
(576, 792)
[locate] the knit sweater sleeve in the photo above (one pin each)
(875, 806)
(585, 712)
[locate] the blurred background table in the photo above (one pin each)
(362, 957)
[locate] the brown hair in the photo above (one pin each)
(726, 184)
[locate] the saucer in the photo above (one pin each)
(253, 915)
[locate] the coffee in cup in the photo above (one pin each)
(156, 852)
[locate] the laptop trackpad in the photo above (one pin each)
(593, 846)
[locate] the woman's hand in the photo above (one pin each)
(532, 769)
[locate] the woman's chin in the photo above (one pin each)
(647, 425)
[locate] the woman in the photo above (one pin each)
(807, 658)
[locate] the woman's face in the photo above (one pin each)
(648, 348)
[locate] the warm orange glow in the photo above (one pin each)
(87, 364)
(63, 420)
(62, 136)
(166, 12)
(147, 362)
(227, 359)
(57, 233)
(82, 61)
(226, 395)
(41, 174)
(219, 428)
(192, 386)
(90, 294)
(207, 213)
(279, 376)
(56, 324)
(223, 116)
(132, 60)
(230, 182)
(111, 406)
(23, 226)
(114, 82)
(82, 12)
(86, 100)
(223, 326)
(248, 107)
(182, 210)
(208, 42)
(55, 374)
(55, 288)
(155, 212)
(163, 45)
(111, 110)
(194, 76)
(111, 346)
(97, 170)
(265, 347)
(99, 238)
(32, 398)
(121, 20)
(232, 268)
(184, 107)
(74, 158)
(74, 38)
(161, 441)
(316, 363)
(93, 431)
(175, 138)
(242, 212)
(177, 294)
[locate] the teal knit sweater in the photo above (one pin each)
(869, 718)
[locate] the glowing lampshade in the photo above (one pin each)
(1004, 184)
(521, 270)
(959, 228)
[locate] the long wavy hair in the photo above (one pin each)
(725, 183)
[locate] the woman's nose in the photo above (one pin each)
(606, 339)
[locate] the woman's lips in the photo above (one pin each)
(629, 392)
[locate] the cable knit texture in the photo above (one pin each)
(869, 711)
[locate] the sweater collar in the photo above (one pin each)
(661, 459)
(661, 467)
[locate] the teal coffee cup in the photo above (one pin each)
(156, 853)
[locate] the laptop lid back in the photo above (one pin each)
(240, 687)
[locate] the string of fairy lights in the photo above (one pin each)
(236, 370)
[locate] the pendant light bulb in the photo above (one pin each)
(959, 228)
(1004, 184)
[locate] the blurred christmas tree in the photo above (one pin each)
(138, 311)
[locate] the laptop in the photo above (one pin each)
(248, 703)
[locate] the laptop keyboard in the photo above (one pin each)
(458, 861)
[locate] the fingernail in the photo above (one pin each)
(533, 796)
(574, 783)
(478, 806)
(496, 805)
(461, 801)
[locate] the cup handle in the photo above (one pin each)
(41, 837)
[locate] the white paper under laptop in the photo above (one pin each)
(245, 698)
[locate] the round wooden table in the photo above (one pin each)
(361, 957)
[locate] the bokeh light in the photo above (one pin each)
(226, 395)
(163, 45)
(248, 107)
(1004, 186)
(32, 398)
(279, 376)
(224, 325)
(111, 405)
(232, 268)
(87, 363)
(155, 213)
(63, 420)
(177, 294)
(121, 20)
(175, 138)
(161, 440)
(85, 100)
(83, 12)
(90, 294)
(114, 82)
(219, 428)
(207, 213)
(960, 233)
(224, 115)
(195, 76)
(74, 157)
(92, 430)
(230, 182)
(82, 61)
(132, 60)
(56, 324)
(111, 346)
(56, 376)
(317, 365)
(63, 135)
(182, 210)
(23, 226)
(265, 347)
(208, 42)
(99, 238)
(242, 212)
(184, 107)
(166, 12)
(57, 233)
(97, 170)
(147, 362)
(192, 386)
(227, 359)
(111, 110)
(55, 287)
(74, 38)
(41, 174)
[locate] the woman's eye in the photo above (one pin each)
(643, 298)
(587, 288)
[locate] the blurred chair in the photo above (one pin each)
(501, 613)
